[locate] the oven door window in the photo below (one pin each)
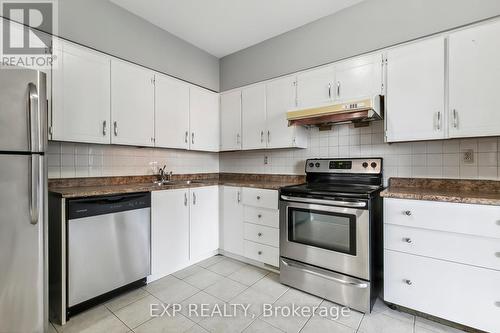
(326, 230)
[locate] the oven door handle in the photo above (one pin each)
(349, 204)
(361, 285)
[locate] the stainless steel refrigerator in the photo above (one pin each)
(23, 200)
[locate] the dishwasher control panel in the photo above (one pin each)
(85, 207)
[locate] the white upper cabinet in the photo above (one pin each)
(475, 81)
(230, 120)
(81, 95)
(253, 101)
(204, 119)
(280, 98)
(358, 78)
(316, 87)
(132, 104)
(171, 113)
(415, 100)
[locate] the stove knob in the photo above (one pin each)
(318, 165)
(311, 165)
(374, 165)
(365, 165)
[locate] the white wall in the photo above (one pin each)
(68, 160)
(367, 26)
(433, 159)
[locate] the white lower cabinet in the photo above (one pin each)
(204, 222)
(184, 228)
(262, 253)
(443, 259)
(231, 220)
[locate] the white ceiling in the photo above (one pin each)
(222, 27)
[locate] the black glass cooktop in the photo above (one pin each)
(314, 189)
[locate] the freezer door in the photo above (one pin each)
(23, 110)
(21, 243)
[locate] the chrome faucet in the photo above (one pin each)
(164, 177)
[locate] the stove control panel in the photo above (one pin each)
(350, 165)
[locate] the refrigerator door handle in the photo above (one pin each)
(34, 116)
(35, 187)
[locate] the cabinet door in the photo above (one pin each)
(358, 78)
(315, 87)
(132, 104)
(232, 220)
(204, 225)
(475, 81)
(253, 107)
(81, 106)
(169, 231)
(230, 120)
(415, 106)
(280, 98)
(204, 119)
(171, 113)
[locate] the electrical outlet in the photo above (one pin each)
(266, 160)
(468, 156)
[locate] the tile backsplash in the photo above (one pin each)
(431, 159)
(67, 160)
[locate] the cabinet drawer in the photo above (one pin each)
(463, 294)
(263, 235)
(267, 217)
(263, 253)
(466, 249)
(260, 198)
(479, 220)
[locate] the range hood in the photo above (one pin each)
(359, 112)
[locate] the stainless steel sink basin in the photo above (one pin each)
(177, 182)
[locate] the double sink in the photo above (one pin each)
(177, 182)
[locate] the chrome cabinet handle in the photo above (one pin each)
(239, 196)
(186, 137)
(194, 198)
(407, 240)
(408, 282)
(34, 118)
(238, 140)
(407, 212)
(185, 199)
(104, 125)
(192, 138)
(259, 253)
(115, 128)
(261, 136)
(268, 136)
(259, 234)
(497, 304)
(497, 254)
(36, 179)
(259, 216)
(258, 197)
(439, 121)
(498, 222)
(455, 118)
(338, 88)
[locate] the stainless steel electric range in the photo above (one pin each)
(331, 231)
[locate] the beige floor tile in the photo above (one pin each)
(121, 301)
(203, 278)
(434, 327)
(161, 284)
(226, 267)
(334, 312)
(259, 326)
(191, 307)
(253, 298)
(231, 324)
(381, 307)
(188, 271)
(175, 292)
(270, 285)
(381, 323)
(317, 325)
(95, 320)
(196, 329)
(248, 275)
(210, 261)
(138, 312)
(51, 328)
(226, 289)
(166, 324)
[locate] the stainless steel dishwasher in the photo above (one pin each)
(108, 247)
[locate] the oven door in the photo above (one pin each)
(315, 232)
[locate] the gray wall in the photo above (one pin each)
(104, 26)
(365, 27)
